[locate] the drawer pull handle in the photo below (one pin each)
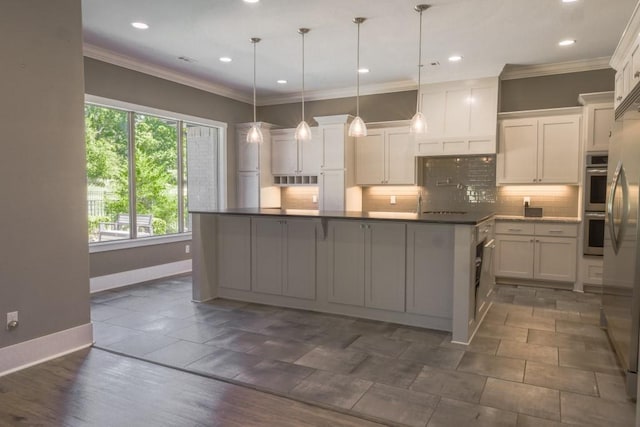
(556, 231)
(515, 229)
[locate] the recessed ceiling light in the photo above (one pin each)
(363, 70)
(569, 1)
(139, 25)
(251, 1)
(455, 58)
(566, 42)
(225, 59)
(282, 82)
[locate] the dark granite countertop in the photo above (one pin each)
(470, 218)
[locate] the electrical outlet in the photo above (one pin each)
(392, 200)
(527, 201)
(12, 320)
(314, 198)
(187, 249)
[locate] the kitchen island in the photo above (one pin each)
(407, 268)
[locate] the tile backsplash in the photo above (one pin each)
(299, 197)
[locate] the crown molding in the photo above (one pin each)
(105, 55)
(562, 111)
(629, 36)
(525, 71)
(596, 98)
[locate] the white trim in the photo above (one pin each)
(116, 245)
(28, 353)
(135, 64)
(596, 98)
(126, 278)
(122, 105)
(339, 119)
(629, 36)
(540, 113)
(525, 71)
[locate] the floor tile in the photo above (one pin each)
(590, 360)
(578, 328)
(184, 310)
(567, 379)
(237, 340)
(555, 314)
(224, 363)
(252, 322)
(529, 421)
(612, 387)
(493, 366)
(165, 325)
(281, 349)
(198, 332)
(455, 413)
(557, 294)
(495, 316)
(226, 304)
(105, 334)
(334, 389)
(260, 309)
(493, 330)
(275, 375)
(142, 344)
(332, 359)
(394, 372)
(397, 405)
(479, 344)
(218, 317)
(104, 296)
(593, 411)
(334, 339)
(530, 322)
(510, 308)
(534, 301)
(568, 341)
(372, 327)
(531, 400)
(453, 384)
(437, 357)
(530, 352)
(102, 312)
(515, 290)
(425, 336)
(180, 353)
(379, 345)
(578, 307)
(294, 331)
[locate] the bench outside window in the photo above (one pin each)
(121, 227)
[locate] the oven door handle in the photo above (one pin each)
(591, 171)
(598, 215)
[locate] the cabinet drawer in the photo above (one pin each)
(512, 227)
(557, 230)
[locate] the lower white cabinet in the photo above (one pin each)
(367, 264)
(283, 260)
(541, 251)
(234, 252)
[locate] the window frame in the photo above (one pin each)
(132, 109)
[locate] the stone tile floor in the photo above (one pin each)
(539, 358)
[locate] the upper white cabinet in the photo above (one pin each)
(254, 183)
(598, 119)
(385, 156)
(540, 149)
(626, 59)
(461, 118)
(291, 157)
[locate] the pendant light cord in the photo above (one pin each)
(419, 65)
(302, 76)
(254, 82)
(358, 75)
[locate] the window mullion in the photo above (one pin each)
(180, 177)
(132, 176)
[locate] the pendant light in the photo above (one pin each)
(303, 132)
(357, 127)
(418, 122)
(255, 134)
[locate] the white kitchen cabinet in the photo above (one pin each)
(283, 257)
(385, 156)
(592, 268)
(426, 292)
(254, 183)
(248, 189)
(332, 190)
(234, 252)
(540, 251)
(539, 150)
(291, 157)
(626, 59)
(598, 120)
(367, 264)
(461, 118)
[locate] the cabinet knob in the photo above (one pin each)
(636, 75)
(534, 180)
(619, 98)
(531, 240)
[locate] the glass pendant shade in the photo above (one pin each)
(303, 132)
(357, 128)
(418, 123)
(255, 134)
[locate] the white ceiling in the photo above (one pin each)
(488, 33)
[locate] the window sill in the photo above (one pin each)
(116, 245)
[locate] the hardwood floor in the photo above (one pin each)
(97, 388)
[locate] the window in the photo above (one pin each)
(137, 170)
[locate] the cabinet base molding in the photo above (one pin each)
(567, 286)
(592, 289)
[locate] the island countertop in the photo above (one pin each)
(469, 218)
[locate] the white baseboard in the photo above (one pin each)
(130, 277)
(20, 356)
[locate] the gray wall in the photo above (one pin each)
(44, 268)
(111, 81)
(373, 108)
(559, 90)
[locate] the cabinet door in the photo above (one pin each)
(333, 147)
(346, 262)
(284, 154)
(516, 161)
(457, 110)
(310, 154)
(248, 154)
(401, 165)
(559, 150)
(385, 259)
(266, 255)
(300, 258)
(370, 159)
(248, 190)
(635, 66)
(430, 269)
(555, 259)
(600, 120)
(619, 89)
(514, 256)
(234, 252)
(332, 190)
(482, 104)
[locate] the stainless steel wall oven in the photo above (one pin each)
(595, 197)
